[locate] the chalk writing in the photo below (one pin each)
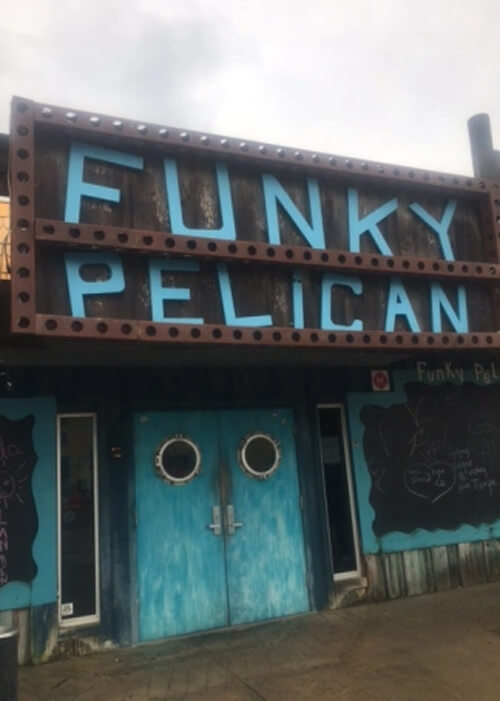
(18, 518)
(434, 461)
(430, 482)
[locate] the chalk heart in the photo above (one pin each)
(430, 482)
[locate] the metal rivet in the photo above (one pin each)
(297, 155)
(262, 149)
(46, 112)
(117, 124)
(244, 146)
(95, 121)
(142, 128)
(315, 158)
(204, 139)
(71, 116)
(184, 136)
(224, 143)
(280, 151)
(163, 132)
(332, 161)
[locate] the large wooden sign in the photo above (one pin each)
(126, 230)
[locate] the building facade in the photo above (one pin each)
(238, 382)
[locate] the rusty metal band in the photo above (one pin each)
(22, 212)
(235, 148)
(161, 243)
(121, 329)
(490, 224)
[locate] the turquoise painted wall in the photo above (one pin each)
(419, 538)
(43, 589)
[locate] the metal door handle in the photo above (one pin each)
(215, 526)
(232, 525)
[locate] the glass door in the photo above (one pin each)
(339, 492)
(78, 520)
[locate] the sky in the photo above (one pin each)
(391, 81)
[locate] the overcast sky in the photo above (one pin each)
(386, 80)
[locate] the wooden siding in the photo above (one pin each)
(413, 572)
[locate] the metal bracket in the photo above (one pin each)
(215, 526)
(232, 525)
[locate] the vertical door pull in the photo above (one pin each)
(215, 526)
(232, 525)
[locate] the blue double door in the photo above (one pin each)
(226, 546)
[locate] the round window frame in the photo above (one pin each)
(160, 470)
(246, 468)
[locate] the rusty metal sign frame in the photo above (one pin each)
(28, 231)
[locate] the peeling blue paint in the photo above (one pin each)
(190, 579)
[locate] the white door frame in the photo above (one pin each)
(96, 617)
(353, 574)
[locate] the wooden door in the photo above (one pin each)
(219, 526)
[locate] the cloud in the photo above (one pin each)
(388, 80)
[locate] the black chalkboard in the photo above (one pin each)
(18, 517)
(434, 461)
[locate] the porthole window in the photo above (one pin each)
(177, 460)
(259, 455)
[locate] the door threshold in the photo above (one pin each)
(349, 592)
(224, 630)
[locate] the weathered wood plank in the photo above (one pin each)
(441, 568)
(472, 563)
(21, 621)
(376, 579)
(394, 575)
(492, 557)
(418, 572)
(453, 565)
(44, 630)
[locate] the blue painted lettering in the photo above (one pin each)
(368, 224)
(77, 187)
(160, 294)
(297, 300)
(329, 281)
(227, 229)
(275, 194)
(439, 227)
(226, 294)
(440, 303)
(398, 304)
(79, 288)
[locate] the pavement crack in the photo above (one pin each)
(239, 679)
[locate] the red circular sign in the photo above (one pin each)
(380, 379)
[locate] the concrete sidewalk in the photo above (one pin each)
(440, 646)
